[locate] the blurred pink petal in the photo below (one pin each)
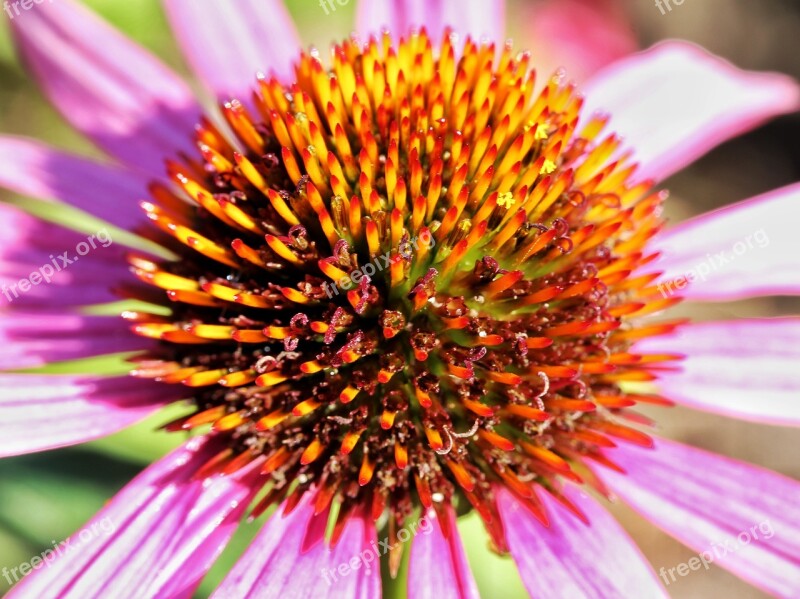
(72, 292)
(744, 369)
(33, 251)
(676, 101)
(276, 565)
(33, 169)
(45, 411)
(710, 502)
(23, 234)
(478, 18)
(157, 538)
(438, 566)
(227, 46)
(106, 86)
(582, 36)
(743, 250)
(571, 559)
(34, 339)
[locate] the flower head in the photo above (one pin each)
(412, 281)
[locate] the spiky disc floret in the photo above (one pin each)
(404, 280)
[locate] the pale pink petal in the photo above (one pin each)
(675, 102)
(227, 45)
(157, 538)
(39, 411)
(743, 250)
(108, 192)
(581, 36)
(736, 515)
(34, 339)
(571, 559)
(438, 566)
(275, 564)
(478, 18)
(744, 369)
(106, 86)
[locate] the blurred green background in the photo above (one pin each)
(47, 496)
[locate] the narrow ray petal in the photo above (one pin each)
(275, 565)
(744, 369)
(106, 86)
(741, 517)
(46, 411)
(675, 102)
(111, 193)
(34, 339)
(477, 18)
(571, 559)
(254, 36)
(744, 250)
(51, 296)
(46, 265)
(24, 236)
(438, 566)
(159, 535)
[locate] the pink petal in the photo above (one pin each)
(742, 517)
(46, 411)
(108, 192)
(23, 283)
(478, 18)
(44, 264)
(743, 250)
(157, 538)
(675, 101)
(744, 369)
(106, 86)
(582, 36)
(228, 45)
(571, 559)
(51, 296)
(34, 339)
(276, 566)
(23, 235)
(438, 566)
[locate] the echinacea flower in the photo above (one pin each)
(396, 284)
